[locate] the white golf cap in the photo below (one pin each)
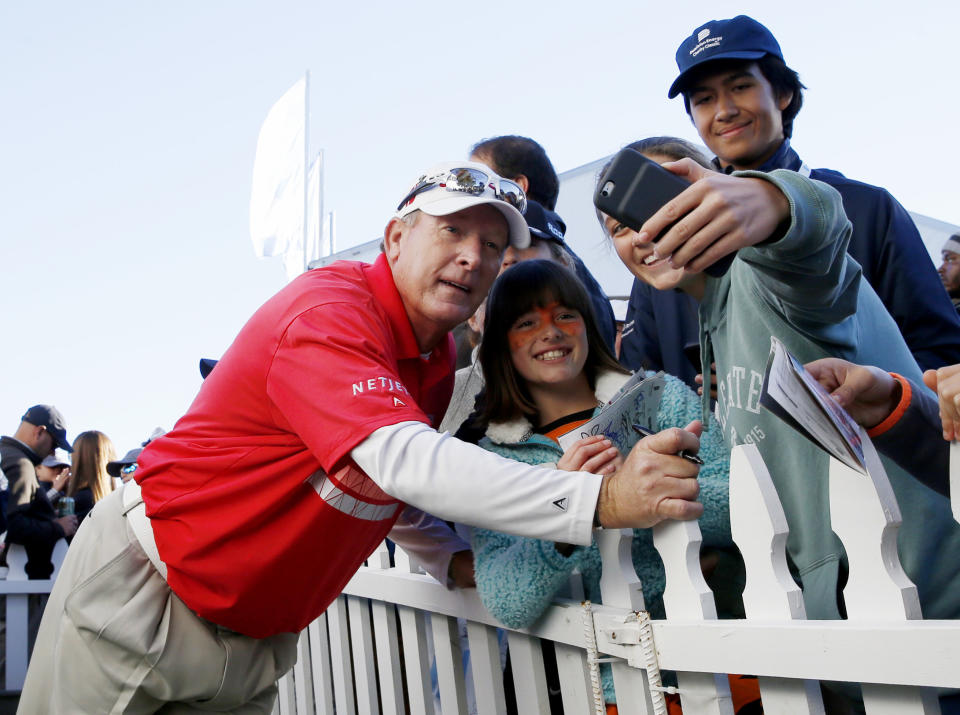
(457, 185)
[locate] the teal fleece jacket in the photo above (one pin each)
(518, 577)
(804, 289)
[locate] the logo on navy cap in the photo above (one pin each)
(705, 42)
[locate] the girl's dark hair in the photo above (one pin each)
(520, 289)
(673, 147)
(782, 79)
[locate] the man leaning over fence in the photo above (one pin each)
(293, 462)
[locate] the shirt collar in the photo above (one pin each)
(380, 279)
(783, 158)
(31, 455)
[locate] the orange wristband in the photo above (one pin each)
(894, 417)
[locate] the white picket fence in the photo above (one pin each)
(373, 649)
(17, 591)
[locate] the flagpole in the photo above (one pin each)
(320, 221)
(306, 165)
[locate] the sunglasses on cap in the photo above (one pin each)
(470, 181)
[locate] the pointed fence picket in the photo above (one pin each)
(760, 531)
(866, 517)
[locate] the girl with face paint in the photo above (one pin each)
(547, 370)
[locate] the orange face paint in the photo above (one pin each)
(537, 319)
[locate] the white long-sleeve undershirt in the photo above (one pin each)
(462, 482)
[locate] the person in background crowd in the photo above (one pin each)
(53, 474)
(302, 448)
(949, 270)
(31, 519)
(90, 482)
(525, 161)
(121, 470)
(743, 100)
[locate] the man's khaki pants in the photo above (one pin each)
(115, 639)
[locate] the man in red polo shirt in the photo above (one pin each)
(295, 459)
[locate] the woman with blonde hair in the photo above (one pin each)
(90, 482)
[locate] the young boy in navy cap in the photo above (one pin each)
(743, 98)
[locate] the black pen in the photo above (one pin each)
(689, 456)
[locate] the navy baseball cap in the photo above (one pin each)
(544, 223)
(206, 366)
(740, 38)
(49, 416)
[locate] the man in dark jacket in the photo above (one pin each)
(743, 98)
(31, 520)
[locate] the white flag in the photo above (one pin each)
(277, 191)
(315, 239)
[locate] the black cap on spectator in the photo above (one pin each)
(206, 366)
(49, 416)
(544, 223)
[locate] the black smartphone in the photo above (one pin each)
(634, 188)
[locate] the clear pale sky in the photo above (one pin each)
(128, 130)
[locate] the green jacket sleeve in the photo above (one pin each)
(807, 272)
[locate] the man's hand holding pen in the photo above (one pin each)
(658, 481)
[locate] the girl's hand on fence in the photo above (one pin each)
(654, 483)
(460, 570)
(946, 383)
(868, 394)
(595, 454)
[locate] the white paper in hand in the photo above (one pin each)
(795, 396)
(637, 401)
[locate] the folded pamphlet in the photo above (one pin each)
(794, 395)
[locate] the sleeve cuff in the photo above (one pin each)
(898, 412)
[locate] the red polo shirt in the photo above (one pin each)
(258, 510)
